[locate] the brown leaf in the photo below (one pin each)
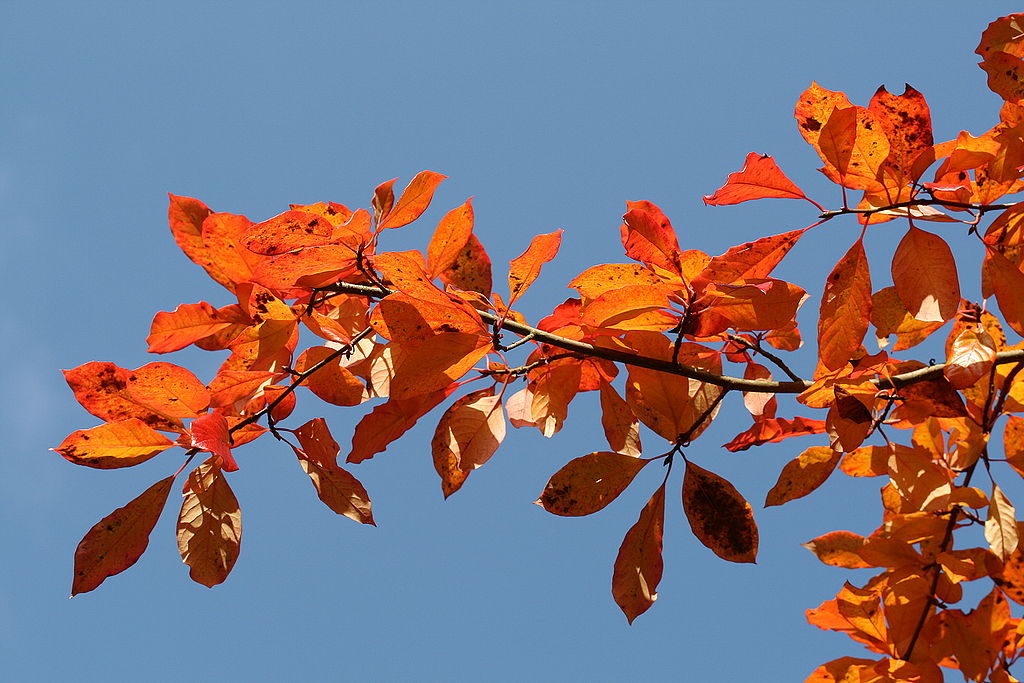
(1001, 525)
(589, 483)
(719, 516)
(338, 489)
(638, 565)
(209, 525)
(118, 540)
(803, 474)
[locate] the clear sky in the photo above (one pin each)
(551, 115)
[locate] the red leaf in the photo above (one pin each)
(210, 433)
(753, 260)
(759, 178)
(639, 565)
(774, 429)
(719, 516)
(649, 237)
(118, 540)
(589, 483)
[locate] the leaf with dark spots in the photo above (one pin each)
(719, 516)
(589, 483)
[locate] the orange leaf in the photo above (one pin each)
(638, 565)
(759, 178)
(102, 389)
(338, 489)
(1007, 283)
(471, 269)
(589, 483)
(633, 307)
(209, 525)
(210, 433)
(605, 277)
(848, 421)
(839, 549)
(841, 670)
(525, 268)
(286, 232)
(471, 429)
(186, 324)
(400, 317)
(118, 540)
(450, 238)
(332, 382)
(225, 257)
(433, 363)
(231, 386)
(752, 260)
(813, 110)
(890, 316)
(845, 307)
(390, 420)
(621, 428)
(867, 461)
(1001, 52)
(670, 405)
(383, 199)
(719, 516)
(854, 148)
(752, 304)
(413, 202)
(803, 474)
(114, 444)
(924, 272)
(169, 389)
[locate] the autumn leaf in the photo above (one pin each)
(450, 238)
(1000, 49)
(118, 540)
(331, 382)
(621, 427)
(839, 549)
(770, 430)
(845, 307)
(168, 389)
(471, 269)
(209, 525)
(434, 363)
(589, 483)
(338, 489)
(471, 429)
(115, 444)
(413, 202)
(803, 474)
(759, 178)
(525, 268)
(1007, 283)
(924, 273)
(719, 516)
(210, 433)
(186, 324)
(1001, 525)
(971, 357)
(649, 238)
(390, 420)
(751, 260)
(639, 564)
(102, 389)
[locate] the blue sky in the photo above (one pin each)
(551, 115)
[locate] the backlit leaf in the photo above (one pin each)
(118, 540)
(1008, 283)
(390, 420)
(719, 516)
(845, 307)
(332, 381)
(450, 238)
(803, 474)
(839, 549)
(414, 200)
(114, 444)
(589, 483)
(432, 364)
(970, 358)
(338, 489)
(759, 178)
(774, 429)
(209, 525)
(525, 268)
(471, 429)
(471, 269)
(752, 260)
(169, 389)
(210, 433)
(639, 565)
(924, 273)
(1001, 525)
(186, 324)
(621, 428)
(649, 238)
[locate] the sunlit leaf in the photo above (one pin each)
(589, 483)
(639, 565)
(209, 526)
(114, 444)
(845, 307)
(803, 474)
(924, 272)
(338, 489)
(719, 516)
(759, 178)
(414, 200)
